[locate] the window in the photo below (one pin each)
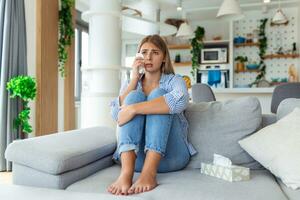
(81, 52)
(131, 50)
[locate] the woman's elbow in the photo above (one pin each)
(180, 106)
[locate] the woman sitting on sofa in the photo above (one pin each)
(153, 130)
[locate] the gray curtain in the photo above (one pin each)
(13, 63)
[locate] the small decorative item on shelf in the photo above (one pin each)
(255, 35)
(187, 80)
(293, 74)
(239, 40)
(252, 66)
(249, 38)
(217, 37)
(177, 58)
(279, 51)
(240, 64)
(278, 81)
(263, 83)
(294, 51)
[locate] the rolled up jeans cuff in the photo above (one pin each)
(128, 147)
(157, 150)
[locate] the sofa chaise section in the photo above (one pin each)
(58, 160)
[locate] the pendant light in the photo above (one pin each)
(279, 17)
(185, 31)
(230, 10)
(179, 5)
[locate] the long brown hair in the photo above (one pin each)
(166, 66)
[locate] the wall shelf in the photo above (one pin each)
(285, 24)
(179, 46)
(182, 64)
(246, 45)
(248, 70)
(271, 56)
(216, 41)
(188, 46)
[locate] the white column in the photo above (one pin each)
(100, 79)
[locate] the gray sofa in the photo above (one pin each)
(78, 164)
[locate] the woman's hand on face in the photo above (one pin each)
(126, 113)
(138, 62)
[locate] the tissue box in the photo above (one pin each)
(232, 173)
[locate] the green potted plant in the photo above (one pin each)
(66, 33)
(240, 63)
(23, 87)
(197, 45)
(263, 44)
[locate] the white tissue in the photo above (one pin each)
(140, 56)
(222, 160)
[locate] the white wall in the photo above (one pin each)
(30, 16)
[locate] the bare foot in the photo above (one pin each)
(144, 183)
(121, 185)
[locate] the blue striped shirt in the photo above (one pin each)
(177, 98)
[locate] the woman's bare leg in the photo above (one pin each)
(130, 134)
(147, 180)
(123, 183)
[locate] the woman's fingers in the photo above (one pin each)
(138, 63)
(125, 115)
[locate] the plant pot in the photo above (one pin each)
(240, 67)
(252, 66)
(177, 58)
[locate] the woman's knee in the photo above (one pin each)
(156, 93)
(135, 96)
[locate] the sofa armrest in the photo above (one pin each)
(65, 151)
(268, 119)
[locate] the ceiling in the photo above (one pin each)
(207, 9)
(197, 10)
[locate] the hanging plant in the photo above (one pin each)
(197, 45)
(23, 87)
(263, 44)
(66, 33)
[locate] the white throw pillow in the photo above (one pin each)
(277, 148)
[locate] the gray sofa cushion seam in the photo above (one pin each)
(283, 192)
(60, 166)
(61, 162)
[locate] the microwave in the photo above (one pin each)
(214, 55)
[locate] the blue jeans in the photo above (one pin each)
(161, 133)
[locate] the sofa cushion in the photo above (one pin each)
(23, 175)
(190, 184)
(287, 106)
(291, 194)
(216, 127)
(276, 147)
(61, 152)
(16, 192)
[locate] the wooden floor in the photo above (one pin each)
(6, 178)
